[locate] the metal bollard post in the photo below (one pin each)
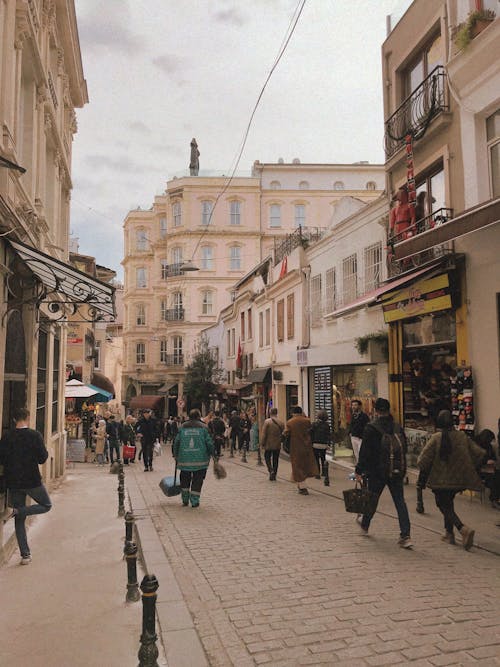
(130, 553)
(121, 491)
(129, 526)
(259, 456)
(148, 652)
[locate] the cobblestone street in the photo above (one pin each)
(271, 577)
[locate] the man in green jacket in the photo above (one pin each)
(193, 448)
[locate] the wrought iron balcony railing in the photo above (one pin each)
(173, 315)
(301, 236)
(437, 218)
(417, 111)
(173, 360)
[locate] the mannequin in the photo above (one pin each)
(402, 216)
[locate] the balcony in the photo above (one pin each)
(417, 111)
(173, 315)
(302, 236)
(173, 360)
(437, 218)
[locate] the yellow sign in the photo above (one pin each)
(424, 296)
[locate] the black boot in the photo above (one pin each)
(324, 471)
(420, 501)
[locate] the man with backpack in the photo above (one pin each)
(382, 462)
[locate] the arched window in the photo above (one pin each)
(338, 185)
(235, 258)
(207, 258)
(177, 214)
(371, 185)
(303, 185)
(275, 215)
(235, 213)
(275, 185)
(206, 212)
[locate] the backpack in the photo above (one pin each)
(392, 454)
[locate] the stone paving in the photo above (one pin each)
(274, 578)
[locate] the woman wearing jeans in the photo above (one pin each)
(449, 464)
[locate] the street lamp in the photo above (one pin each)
(188, 266)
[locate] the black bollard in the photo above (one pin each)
(326, 474)
(259, 456)
(130, 553)
(129, 526)
(148, 652)
(121, 491)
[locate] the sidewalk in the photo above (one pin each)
(67, 608)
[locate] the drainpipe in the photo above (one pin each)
(306, 330)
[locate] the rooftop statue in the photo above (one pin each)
(194, 165)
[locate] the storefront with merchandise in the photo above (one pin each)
(428, 364)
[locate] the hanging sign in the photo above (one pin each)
(424, 296)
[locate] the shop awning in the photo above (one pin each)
(259, 375)
(407, 278)
(146, 401)
(61, 280)
(79, 391)
(100, 381)
(168, 388)
(102, 396)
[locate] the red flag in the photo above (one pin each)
(284, 268)
(239, 363)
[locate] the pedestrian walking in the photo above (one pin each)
(217, 428)
(304, 465)
(321, 436)
(100, 441)
(382, 462)
(21, 451)
(450, 463)
(127, 437)
(246, 426)
(272, 430)
(359, 420)
(193, 448)
(113, 433)
(147, 428)
(235, 431)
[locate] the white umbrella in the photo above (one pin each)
(74, 383)
(79, 391)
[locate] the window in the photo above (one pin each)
(141, 278)
(242, 325)
(141, 240)
(163, 310)
(164, 269)
(249, 324)
(55, 382)
(349, 279)
(163, 228)
(280, 320)
(140, 315)
(338, 185)
(430, 190)
(330, 290)
(176, 254)
(177, 214)
(422, 65)
(207, 258)
(235, 258)
(178, 358)
(163, 351)
(177, 304)
(233, 342)
(229, 343)
(275, 185)
(235, 213)
(290, 316)
(206, 212)
(300, 215)
(41, 381)
(316, 299)
(261, 329)
(493, 139)
(275, 215)
(97, 354)
(207, 302)
(140, 353)
(268, 326)
(373, 266)
(371, 185)
(303, 185)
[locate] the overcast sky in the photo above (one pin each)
(163, 71)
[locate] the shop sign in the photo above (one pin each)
(74, 340)
(424, 296)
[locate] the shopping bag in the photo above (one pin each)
(157, 448)
(169, 485)
(358, 500)
(128, 452)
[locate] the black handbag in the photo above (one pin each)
(285, 441)
(358, 500)
(169, 485)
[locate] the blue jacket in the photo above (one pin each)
(193, 446)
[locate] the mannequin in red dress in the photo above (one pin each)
(402, 217)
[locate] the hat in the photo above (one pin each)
(382, 405)
(146, 410)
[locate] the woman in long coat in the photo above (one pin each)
(100, 442)
(449, 464)
(301, 451)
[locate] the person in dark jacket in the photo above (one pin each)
(359, 420)
(236, 431)
(217, 428)
(147, 428)
(113, 433)
(382, 464)
(21, 451)
(321, 436)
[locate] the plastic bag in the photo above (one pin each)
(157, 448)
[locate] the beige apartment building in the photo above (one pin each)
(443, 91)
(222, 228)
(41, 84)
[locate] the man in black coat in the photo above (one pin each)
(21, 451)
(359, 420)
(147, 428)
(382, 462)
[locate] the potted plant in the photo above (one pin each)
(476, 22)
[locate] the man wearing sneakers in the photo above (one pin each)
(21, 451)
(382, 462)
